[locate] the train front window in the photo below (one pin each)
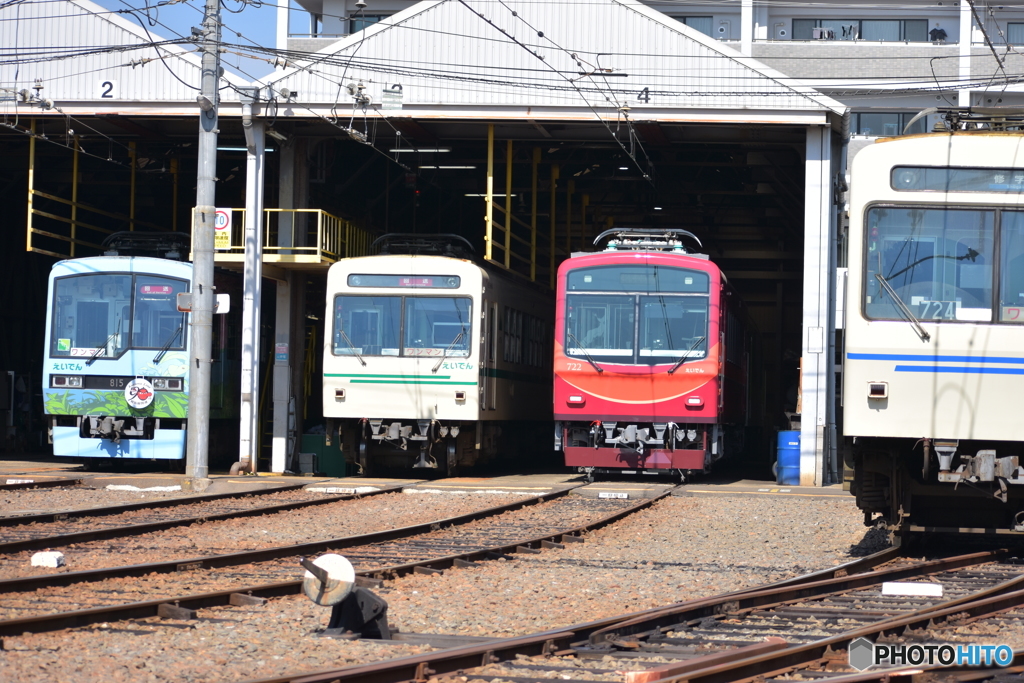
(101, 316)
(91, 316)
(1011, 285)
(672, 328)
(367, 325)
(437, 326)
(156, 322)
(937, 262)
(601, 326)
(402, 326)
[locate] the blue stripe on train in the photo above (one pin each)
(963, 369)
(934, 358)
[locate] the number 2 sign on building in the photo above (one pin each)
(222, 229)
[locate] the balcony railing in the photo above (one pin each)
(299, 237)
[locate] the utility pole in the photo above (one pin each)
(197, 455)
(252, 284)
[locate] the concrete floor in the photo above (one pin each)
(21, 469)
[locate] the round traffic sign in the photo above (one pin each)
(222, 220)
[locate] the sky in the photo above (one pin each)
(255, 21)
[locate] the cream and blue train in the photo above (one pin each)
(933, 365)
(115, 368)
(430, 359)
(115, 371)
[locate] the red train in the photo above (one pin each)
(653, 351)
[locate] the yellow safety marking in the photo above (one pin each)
(492, 486)
(761, 492)
(628, 488)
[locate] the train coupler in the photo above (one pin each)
(113, 428)
(424, 460)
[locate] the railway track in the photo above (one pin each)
(800, 626)
(59, 529)
(41, 603)
(28, 481)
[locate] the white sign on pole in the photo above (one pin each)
(222, 229)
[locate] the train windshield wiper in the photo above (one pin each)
(686, 356)
(103, 344)
(903, 308)
(352, 346)
(451, 346)
(580, 347)
(163, 349)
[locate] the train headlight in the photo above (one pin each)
(576, 400)
(68, 381)
(694, 401)
(167, 383)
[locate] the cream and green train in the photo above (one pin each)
(431, 360)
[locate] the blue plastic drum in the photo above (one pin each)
(787, 470)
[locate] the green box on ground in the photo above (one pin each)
(330, 460)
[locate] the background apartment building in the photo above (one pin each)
(886, 61)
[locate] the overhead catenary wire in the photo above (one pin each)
(893, 84)
(299, 55)
(589, 75)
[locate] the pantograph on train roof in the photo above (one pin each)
(441, 244)
(646, 239)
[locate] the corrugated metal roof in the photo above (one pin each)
(487, 57)
(84, 31)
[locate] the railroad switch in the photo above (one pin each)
(357, 612)
(362, 613)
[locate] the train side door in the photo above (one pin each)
(485, 346)
(493, 358)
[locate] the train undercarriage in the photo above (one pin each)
(376, 445)
(934, 486)
(656, 448)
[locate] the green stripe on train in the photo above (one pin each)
(407, 381)
(365, 375)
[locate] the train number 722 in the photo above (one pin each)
(574, 366)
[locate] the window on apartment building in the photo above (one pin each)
(832, 29)
(702, 24)
(1015, 34)
(884, 124)
(365, 20)
(913, 30)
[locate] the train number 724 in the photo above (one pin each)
(936, 310)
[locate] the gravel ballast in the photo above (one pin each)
(221, 537)
(681, 548)
(21, 502)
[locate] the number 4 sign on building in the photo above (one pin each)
(222, 229)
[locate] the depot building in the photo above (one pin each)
(527, 131)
